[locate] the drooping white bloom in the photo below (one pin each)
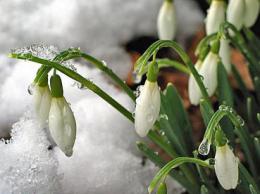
(62, 125)
(193, 88)
(42, 102)
(147, 108)
(251, 12)
(166, 21)
(225, 54)
(215, 16)
(236, 13)
(226, 167)
(208, 71)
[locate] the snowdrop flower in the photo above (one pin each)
(148, 103)
(166, 21)
(193, 88)
(251, 12)
(62, 123)
(226, 167)
(235, 13)
(208, 70)
(215, 16)
(42, 101)
(225, 54)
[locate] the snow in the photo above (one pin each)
(98, 27)
(26, 164)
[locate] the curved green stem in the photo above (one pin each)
(172, 63)
(73, 53)
(77, 77)
(173, 164)
(141, 63)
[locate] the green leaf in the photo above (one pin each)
(224, 89)
(225, 96)
(176, 125)
(206, 111)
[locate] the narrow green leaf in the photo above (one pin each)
(179, 116)
(206, 111)
(225, 95)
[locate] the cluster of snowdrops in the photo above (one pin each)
(160, 116)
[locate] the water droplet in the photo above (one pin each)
(133, 114)
(38, 50)
(138, 90)
(204, 147)
(240, 121)
(150, 117)
(104, 63)
(30, 88)
(69, 65)
(136, 78)
(67, 130)
(163, 116)
(201, 77)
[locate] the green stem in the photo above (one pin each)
(149, 153)
(77, 77)
(173, 164)
(73, 53)
(168, 149)
(172, 63)
(155, 47)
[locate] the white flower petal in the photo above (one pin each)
(252, 11)
(226, 167)
(208, 71)
(62, 125)
(42, 102)
(147, 108)
(215, 16)
(166, 21)
(193, 88)
(225, 54)
(235, 13)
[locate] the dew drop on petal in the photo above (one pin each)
(136, 78)
(30, 88)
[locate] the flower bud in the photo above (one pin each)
(208, 71)
(62, 123)
(251, 12)
(235, 13)
(193, 88)
(215, 16)
(226, 167)
(162, 189)
(166, 21)
(42, 102)
(225, 54)
(147, 108)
